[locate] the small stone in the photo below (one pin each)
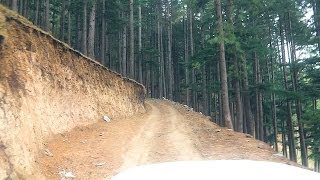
(66, 174)
(101, 164)
(106, 118)
(248, 136)
(48, 153)
(218, 130)
(278, 154)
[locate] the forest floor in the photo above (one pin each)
(167, 132)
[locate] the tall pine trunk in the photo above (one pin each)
(291, 143)
(186, 62)
(84, 28)
(249, 120)
(223, 68)
(14, 5)
(131, 58)
(295, 84)
(91, 33)
(170, 64)
(103, 33)
(69, 22)
(62, 20)
(140, 78)
(124, 49)
(36, 19)
(258, 95)
(47, 14)
(193, 73)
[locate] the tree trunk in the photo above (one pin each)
(162, 64)
(140, 45)
(259, 109)
(205, 101)
(316, 17)
(247, 104)
(69, 23)
(223, 69)
(91, 33)
(160, 86)
(103, 33)
(25, 8)
(239, 111)
(62, 20)
(84, 28)
(36, 19)
(186, 60)
(47, 14)
(170, 64)
(295, 84)
(236, 80)
(274, 113)
(193, 76)
(131, 60)
(14, 5)
(284, 140)
(124, 50)
(291, 143)
(317, 150)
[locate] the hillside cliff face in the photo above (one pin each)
(47, 88)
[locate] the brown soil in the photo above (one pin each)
(167, 132)
(47, 88)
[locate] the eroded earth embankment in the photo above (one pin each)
(47, 88)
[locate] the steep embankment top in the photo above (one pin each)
(7, 14)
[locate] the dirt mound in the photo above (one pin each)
(48, 88)
(167, 132)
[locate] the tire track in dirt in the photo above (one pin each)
(164, 137)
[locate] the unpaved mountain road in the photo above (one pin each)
(167, 132)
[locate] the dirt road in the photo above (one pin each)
(167, 132)
(164, 137)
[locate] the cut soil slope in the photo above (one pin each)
(167, 132)
(48, 88)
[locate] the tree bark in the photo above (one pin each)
(160, 86)
(291, 143)
(69, 22)
(36, 19)
(84, 28)
(140, 45)
(295, 84)
(124, 50)
(236, 80)
(274, 113)
(91, 33)
(316, 17)
(193, 76)
(259, 108)
(25, 8)
(131, 60)
(170, 64)
(14, 5)
(223, 68)
(186, 62)
(47, 14)
(247, 104)
(62, 20)
(103, 33)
